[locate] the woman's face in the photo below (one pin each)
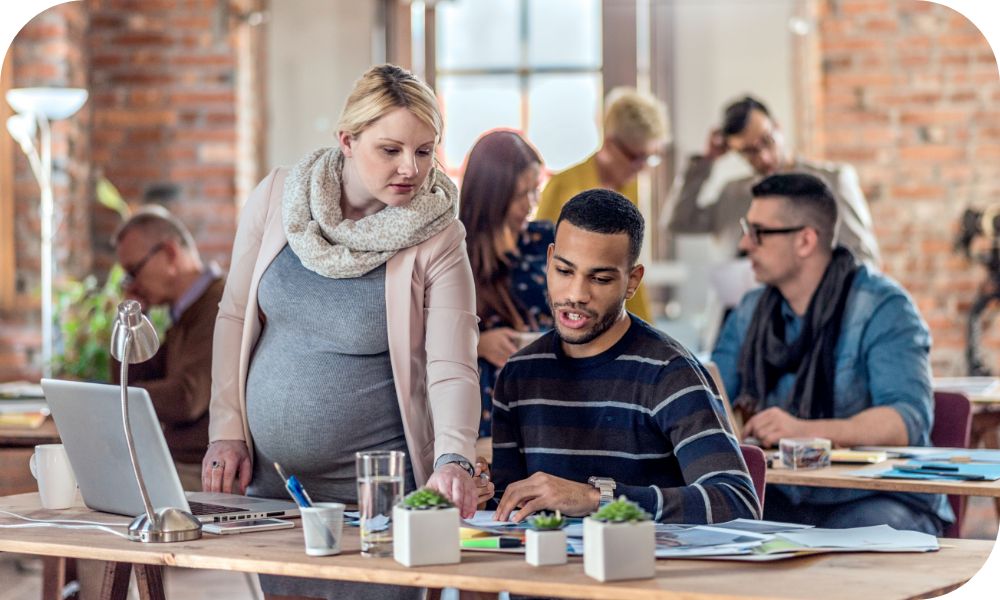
(525, 198)
(389, 160)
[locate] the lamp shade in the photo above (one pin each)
(22, 129)
(53, 103)
(144, 343)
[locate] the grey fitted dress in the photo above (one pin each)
(319, 389)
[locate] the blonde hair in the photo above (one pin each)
(384, 88)
(635, 117)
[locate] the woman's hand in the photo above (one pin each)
(225, 461)
(483, 481)
(455, 484)
(496, 345)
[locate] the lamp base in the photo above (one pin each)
(171, 525)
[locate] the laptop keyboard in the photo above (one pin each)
(204, 508)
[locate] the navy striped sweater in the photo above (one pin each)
(644, 413)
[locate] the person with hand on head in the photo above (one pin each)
(507, 252)
(827, 348)
(348, 322)
(748, 129)
(604, 405)
(636, 131)
(163, 268)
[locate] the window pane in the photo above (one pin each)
(477, 34)
(472, 106)
(564, 118)
(564, 33)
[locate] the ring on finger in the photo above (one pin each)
(216, 464)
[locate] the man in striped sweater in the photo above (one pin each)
(605, 405)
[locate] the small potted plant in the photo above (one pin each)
(619, 542)
(425, 530)
(545, 542)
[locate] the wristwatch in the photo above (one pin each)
(458, 459)
(606, 485)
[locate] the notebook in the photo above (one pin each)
(89, 419)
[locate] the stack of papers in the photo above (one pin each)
(744, 539)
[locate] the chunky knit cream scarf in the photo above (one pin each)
(339, 248)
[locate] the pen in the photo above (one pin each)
(934, 467)
(295, 489)
(492, 542)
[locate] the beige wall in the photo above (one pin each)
(316, 50)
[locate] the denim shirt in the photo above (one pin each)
(882, 359)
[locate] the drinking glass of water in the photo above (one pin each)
(380, 487)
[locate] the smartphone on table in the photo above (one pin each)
(228, 527)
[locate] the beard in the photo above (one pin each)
(602, 322)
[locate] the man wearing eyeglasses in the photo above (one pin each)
(635, 133)
(749, 130)
(828, 348)
(163, 268)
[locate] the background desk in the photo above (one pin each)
(832, 576)
(837, 476)
(16, 446)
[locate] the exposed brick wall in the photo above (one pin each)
(163, 86)
(910, 96)
(49, 51)
(164, 98)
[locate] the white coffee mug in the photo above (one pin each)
(56, 483)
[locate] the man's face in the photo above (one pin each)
(761, 143)
(773, 255)
(148, 267)
(589, 277)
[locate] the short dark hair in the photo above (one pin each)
(809, 199)
(736, 115)
(608, 212)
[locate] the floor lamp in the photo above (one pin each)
(35, 108)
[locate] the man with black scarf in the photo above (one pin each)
(827, 348)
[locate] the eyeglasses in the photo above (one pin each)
(755, 232)
(766, 143)
(131, 273)
(633, 157)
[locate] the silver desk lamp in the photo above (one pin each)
(134, 340)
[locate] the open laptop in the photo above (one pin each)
(89, 419)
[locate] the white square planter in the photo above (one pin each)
(425, 537)
(615, 551)
(545, 547)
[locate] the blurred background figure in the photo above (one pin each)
(636, 131)
(162, 267)
(507, 252)
(748, 130)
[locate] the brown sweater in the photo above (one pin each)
(179, 377)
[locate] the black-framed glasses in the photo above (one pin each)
(132, 272)
(755, 232)
(766, 143)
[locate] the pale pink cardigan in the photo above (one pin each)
(431, 321)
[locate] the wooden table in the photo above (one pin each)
(822, 577)
(837, 476)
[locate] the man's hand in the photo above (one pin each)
(716, 145)
(454, 483)
(772, 424)
(496, 345)
(223, 463)
(542, 491)
(484, 486)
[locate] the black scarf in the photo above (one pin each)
(765, 356)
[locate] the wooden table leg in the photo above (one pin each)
(149, 580)
(115, 584)
(53, 577)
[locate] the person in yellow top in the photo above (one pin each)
(635, 132)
